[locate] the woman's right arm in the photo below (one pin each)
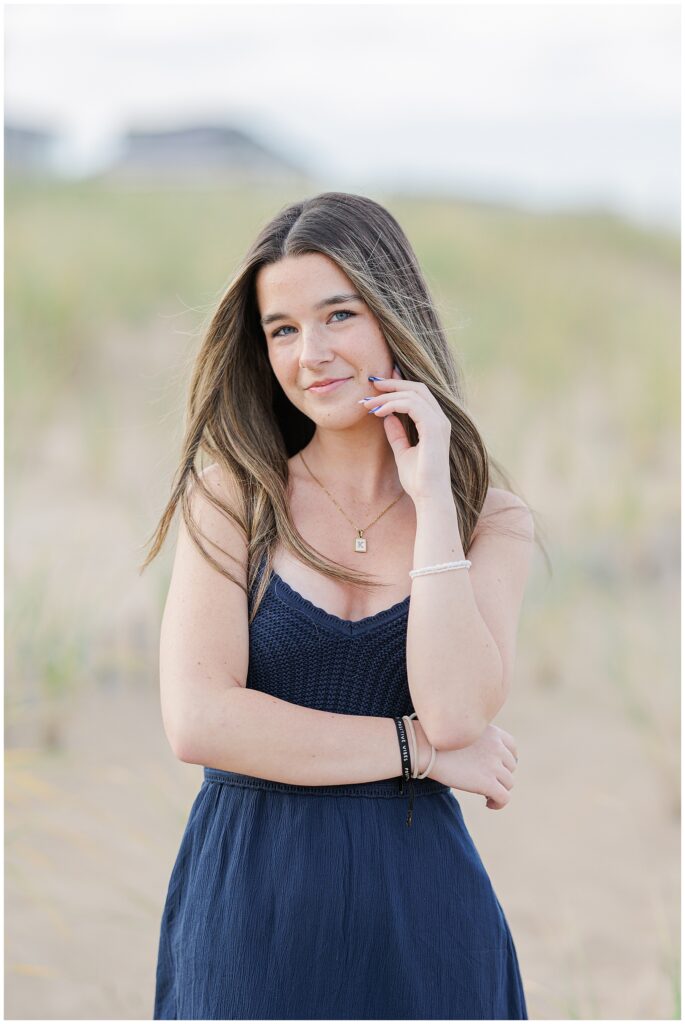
(210, 717)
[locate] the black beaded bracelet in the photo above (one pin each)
(406, 775)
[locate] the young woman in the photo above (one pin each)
(329, 653)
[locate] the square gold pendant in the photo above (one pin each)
(360, 544)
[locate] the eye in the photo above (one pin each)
(346, 312)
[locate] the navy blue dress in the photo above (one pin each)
(319, 902)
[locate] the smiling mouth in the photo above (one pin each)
(323, 388)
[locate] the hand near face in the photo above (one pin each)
(424, 468)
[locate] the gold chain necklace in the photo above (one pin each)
(360, 539)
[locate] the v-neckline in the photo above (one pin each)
(288, 595)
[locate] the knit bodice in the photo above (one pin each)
(308, 656)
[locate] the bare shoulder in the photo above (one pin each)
(207, 510)
(221, 484)
(506, 513)
(215, 513)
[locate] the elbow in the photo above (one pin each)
(198, 727)
(462, 734)
(182, 741)
(181, 747)
(460, 727)
(448, 734)
(183, 751)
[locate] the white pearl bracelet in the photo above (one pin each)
(463, 563)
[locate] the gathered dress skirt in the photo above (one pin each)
(291, 902)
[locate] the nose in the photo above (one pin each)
(313, 348)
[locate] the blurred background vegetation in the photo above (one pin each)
(567, 326)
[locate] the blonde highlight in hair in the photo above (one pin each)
(238, 414)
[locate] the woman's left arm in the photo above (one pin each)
(461, 633)
(462, 627)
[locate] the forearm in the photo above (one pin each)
(453, 663)
(254, 733)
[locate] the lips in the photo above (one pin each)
(326, 380)
(327, 385)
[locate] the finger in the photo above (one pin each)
(387, 395)
(493, 805)
(402, 384)
(412, 404)
(396, 377)
(376, 400)
(499, 793)
(506, 737)
(509, 760)
(383, 382)
(396, 434)
(510, 744)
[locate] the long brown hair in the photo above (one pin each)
(239, 415)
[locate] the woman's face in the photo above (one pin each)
(315, 331)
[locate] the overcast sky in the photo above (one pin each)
(543, 104)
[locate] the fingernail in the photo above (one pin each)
(375, 378)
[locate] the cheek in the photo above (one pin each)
(368, 345)
(284, 366)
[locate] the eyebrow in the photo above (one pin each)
(333, 301)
